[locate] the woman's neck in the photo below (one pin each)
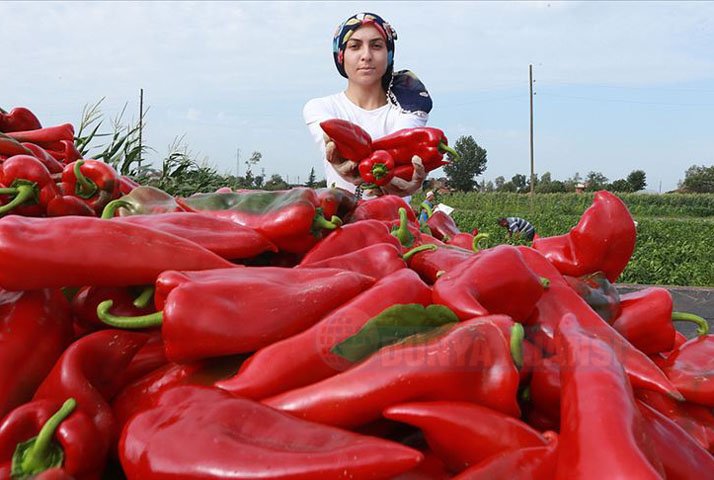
(367, 98)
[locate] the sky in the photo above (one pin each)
(619, 86)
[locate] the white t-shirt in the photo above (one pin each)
(378, 123)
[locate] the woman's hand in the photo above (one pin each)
(346, 169)
(399, 186)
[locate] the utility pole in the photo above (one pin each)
(141, 123)
(530, 75)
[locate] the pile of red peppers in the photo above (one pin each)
(304, 334)
(42, 174)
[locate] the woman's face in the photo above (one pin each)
(366, 56)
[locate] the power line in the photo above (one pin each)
(640, 102)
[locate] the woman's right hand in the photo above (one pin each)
(346, 169)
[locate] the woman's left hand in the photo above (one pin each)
(400, 187)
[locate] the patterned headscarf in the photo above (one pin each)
(403, 88)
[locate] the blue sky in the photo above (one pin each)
(619, 86)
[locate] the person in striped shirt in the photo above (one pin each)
(518, 226)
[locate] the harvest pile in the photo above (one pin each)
(308, 334)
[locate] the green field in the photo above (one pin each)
(675, 233)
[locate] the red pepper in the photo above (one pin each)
(222, 237)
(44, 435)
(84, 305)
(471, 361)
(150, 357)
(65, 151)
(291, 219)
(463, 434)
(64, 205)
(694, 419)
(142, 200)
(426, 142)
(682, 458)
(530, 463)
(93, 252)
(352, 142)
(545, 388)
(559, 299)
(95, 182)
(598, 408)
(306, 358)
(336, 201)
(377, 261)
(91, 383)
(48, 137)
(468, 241)
(647, 319)
(442, 226)
(486, 283)
(35, 328)
(603, 240)
(127, 184)
(9, 147)
(691, 370)
(19, 118)
(377, 169)
(350, 238)
(41, 154)
(201, 433)
(30, 181)
(199, 319)
(431, 264)
(385, 208)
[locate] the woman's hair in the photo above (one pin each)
(348, 27)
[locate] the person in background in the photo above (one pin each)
(377, 99)
(427, 206)
(518, 226)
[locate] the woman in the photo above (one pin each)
(377, 99)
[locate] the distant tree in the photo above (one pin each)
(620, 185)
(637, 180)
(276, 182)
(321, 184)
(489, 187)
(595, 181)
(508, 187)
(500, 181)
(463, 171)
(699, 179)
(520, 182)
(311, 179)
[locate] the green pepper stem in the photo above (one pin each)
(477, 238)
(452, 153)
(427, 246)
(24, 194)
(144, 297)
(544, 282)
(402, 233)
(517, 334)
(379, 170)
(111, 207)
(702, 325)
(320, 222)
(142, 321)
(37, 457)
(84, 187)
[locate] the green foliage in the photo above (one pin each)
(637, 180)
(462, 172)
(699, 179)
(311, 179)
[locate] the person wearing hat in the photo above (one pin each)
(427, 207)
(377, 99)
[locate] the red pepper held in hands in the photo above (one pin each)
(352, 142)
(427, 143)
(377, 169)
